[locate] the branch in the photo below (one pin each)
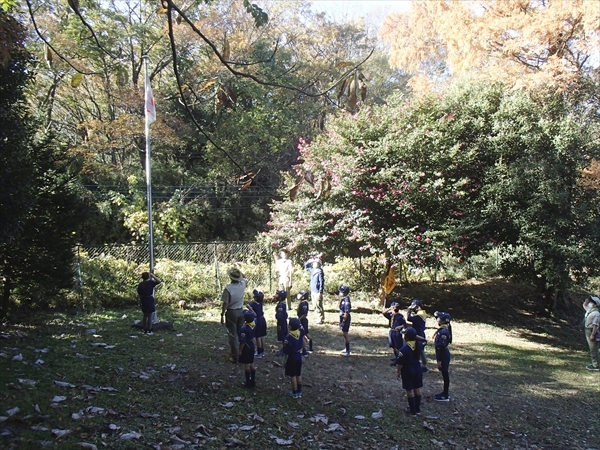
(228, 65)
(39, 33)
(179, 87)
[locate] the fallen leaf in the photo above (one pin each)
(113, 427)
(98, 344)
(41, 350)
(27, 381)
(87, 445)
(294, 424)
(39, 362)
(79, 355)
(12, 411)
(428, 426)
(246, 428)
(63, 384)
(18, 357)
(359, 417)
(129, 436)
(58, 398)
(231, 441)
(58, 433)
(228, 405)
(39, 428)
(258, 418)
(334, 427)
(377, 415)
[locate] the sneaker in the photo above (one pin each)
(149, 333)
(595, 369)
(259, 355)
(441, 398)
(256, 354)
(297, 395)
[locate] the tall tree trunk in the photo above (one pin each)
(5, 300)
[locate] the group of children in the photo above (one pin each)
(406, 338)
(293, 335)
(408, 342)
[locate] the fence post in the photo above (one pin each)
(217, 279)
(79, 277)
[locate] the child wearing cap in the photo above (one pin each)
(302, 312)
(246, 350)
(260, 327)
(397, 324)
(408, 369)
(281, 317)
(345, 309)
(442, 338)
(417, 316)
(292, 348)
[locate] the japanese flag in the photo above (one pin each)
(150, 109)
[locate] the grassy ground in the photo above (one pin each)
(518, 381)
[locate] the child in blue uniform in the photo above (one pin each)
(417, 317)
(292, 348)
(145, 292)
(409, 370)
(302, 312)
(345, 309)
(260, 327)
(442, 338)
(281, 317)
(246, 350)
(397, 324)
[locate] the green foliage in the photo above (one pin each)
(453, 174)
(260, 17)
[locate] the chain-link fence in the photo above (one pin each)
(108, 274)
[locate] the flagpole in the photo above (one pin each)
(148, 167)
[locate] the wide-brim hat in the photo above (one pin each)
(235, 274)
(596, 300)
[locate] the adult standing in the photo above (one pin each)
(285, 269)
(592, 324)
(317, 287)
(232, 317)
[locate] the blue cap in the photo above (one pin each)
(343, 290)
(416, 302)
(258, 295)
(282, 295)
(248, 315)
(394, 304)
(410, 334)
(294, 323)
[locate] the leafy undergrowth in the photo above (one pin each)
(518, 381)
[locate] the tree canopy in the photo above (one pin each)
(520, 42)
(477, 168)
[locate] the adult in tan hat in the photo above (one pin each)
(232, 300)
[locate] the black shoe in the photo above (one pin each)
(408, 411)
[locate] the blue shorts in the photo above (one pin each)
(412, 377)
(304, 323)
(282, 331)
(345, 324)
(293, 367)
(148, 305)
(443, 355)
(260, 327)
(395, 339)
(247, 356)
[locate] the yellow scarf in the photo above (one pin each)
(250, 324)
(412, 344)
(422, 313)
(295, 333)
